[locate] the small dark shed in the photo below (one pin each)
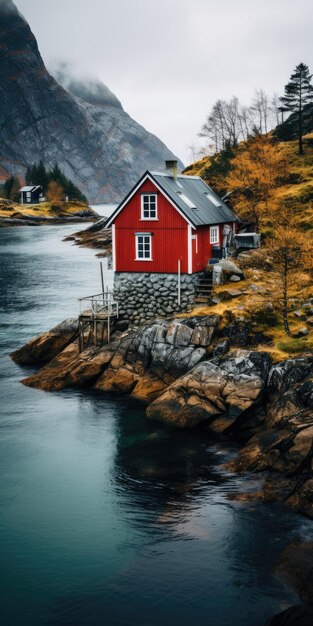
(31, 194)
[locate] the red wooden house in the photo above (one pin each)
(166, 222)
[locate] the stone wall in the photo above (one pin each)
(143, 296)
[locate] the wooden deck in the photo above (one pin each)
(96, 315)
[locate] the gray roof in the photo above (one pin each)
(30, 188)
(188, 191)
(199, 204)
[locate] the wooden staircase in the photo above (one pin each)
(204, 289)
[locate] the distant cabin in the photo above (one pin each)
(169, 224)
(31, 194)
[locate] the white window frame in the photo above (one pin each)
(146, 198)
(214, 235)
(28, 197)
(146, 240)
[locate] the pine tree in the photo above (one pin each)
(15, 191)
(11, 188)
(37, 174)
(28, 176)
(41, 176)
(298, 93)
(7, 187)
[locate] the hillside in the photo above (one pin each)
(296, 193)
(256, 300)
(83, 127)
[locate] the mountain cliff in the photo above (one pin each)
(82, 127)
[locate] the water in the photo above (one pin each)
(105, 518)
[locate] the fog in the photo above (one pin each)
(169, 61)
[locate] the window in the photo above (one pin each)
(149, 206)
(186, 200)
(28, 196)
(214, 234)
(215, 201)
(143, 247)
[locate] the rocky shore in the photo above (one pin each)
(94, 236)
(193, 373)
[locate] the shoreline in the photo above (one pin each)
(6, 223)
(190, 376)
(234, 396)
(12, 214)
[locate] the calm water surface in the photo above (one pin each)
(106, 519)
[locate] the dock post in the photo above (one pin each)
(102, 280)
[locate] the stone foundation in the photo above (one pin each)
(143, 296)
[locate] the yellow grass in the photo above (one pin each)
(43, 209)
(297, 193)
(249, 303)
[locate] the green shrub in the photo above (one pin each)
(293, 345)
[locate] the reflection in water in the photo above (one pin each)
(106, 518)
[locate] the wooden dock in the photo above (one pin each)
(97, 313)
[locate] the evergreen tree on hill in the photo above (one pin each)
(37, 174)
(298, 94)
(11, 188)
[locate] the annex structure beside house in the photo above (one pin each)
(164, 233)
(31, 194)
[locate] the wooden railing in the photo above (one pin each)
(96, 313)
(98, 304)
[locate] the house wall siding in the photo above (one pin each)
(205, 248)
(169, 236)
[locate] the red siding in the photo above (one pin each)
(204, 247)
(169, 240)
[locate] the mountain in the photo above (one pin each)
(81, 125)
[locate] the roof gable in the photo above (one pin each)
(146, 176)
(196, 202)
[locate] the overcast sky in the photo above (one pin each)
(168, 61)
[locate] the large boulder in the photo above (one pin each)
(147, 361)
(71, 368)
(290, 389)
(287, 449)
(218, 393)
(120, 380)
(45, 347)
(293, 616)
(295, 567)
(231, 269)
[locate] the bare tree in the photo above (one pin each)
(223, 125)
(275, 106)
(231, 117)
(261, 109)
(245, 122)
(196, 152)
(230, 122)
